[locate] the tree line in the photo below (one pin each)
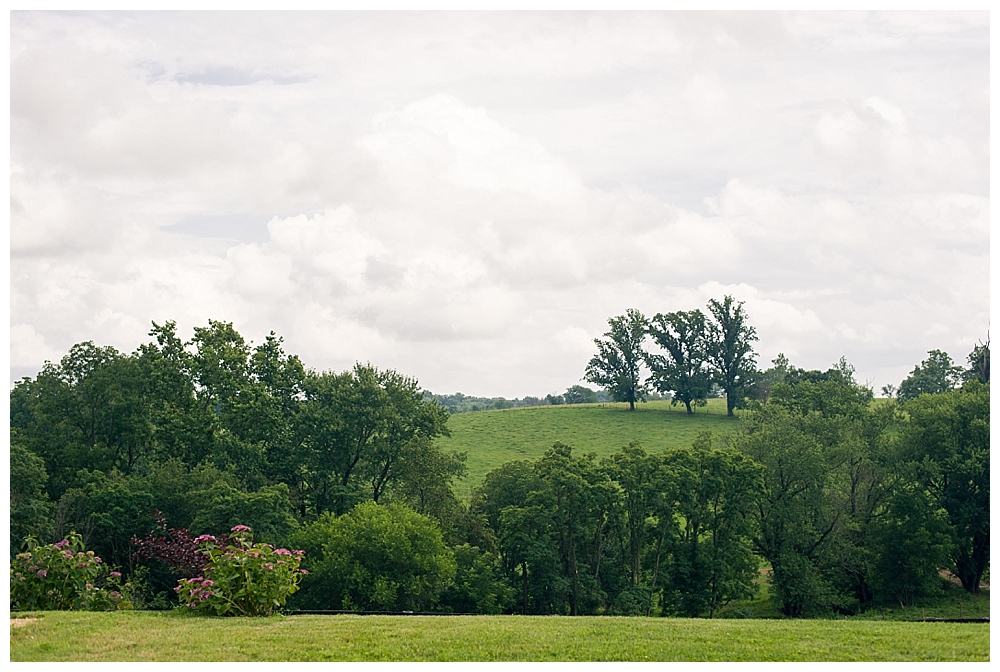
(843, 500)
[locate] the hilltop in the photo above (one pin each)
(492, 438)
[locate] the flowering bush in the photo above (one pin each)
(64, 576)
(241, 578)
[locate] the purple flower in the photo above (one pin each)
(207, 582)
(97, 560)
(269, 565)
(282, 551)
(68, 553)
(60, 544)
(90, 586)
(204, 537)
(302, 571)
(117, 575)
(241, 528)
(81, 564)
(191, 605)
(43, 572)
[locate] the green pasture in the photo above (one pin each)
(493, 438)
(151, 636)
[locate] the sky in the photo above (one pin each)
(467, 198)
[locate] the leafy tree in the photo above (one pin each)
(30, 508)
(712, 561)
(578, 394)
(108, 509)
(358, 427)
(639, 477)
(979, 363)
(948, 436)
(375, 557)
(268, 511)
(730, 350)
(683, 337)
(794, 517)
(934, 375)
(913, 540)
(479, 585)
(618, 362)
(424, 476)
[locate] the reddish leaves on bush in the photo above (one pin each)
(174, 547)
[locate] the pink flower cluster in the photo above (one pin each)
(205, 537)
(241, 528)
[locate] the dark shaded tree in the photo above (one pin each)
(979, 363)
(682, 371)
(730, 350)
(948, 436)
(617, 366)
(934, 375)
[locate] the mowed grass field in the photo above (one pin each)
(150, 636)
(492, 438)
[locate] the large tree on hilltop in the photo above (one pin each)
(730, 349)
(619, 358)
(682, 370)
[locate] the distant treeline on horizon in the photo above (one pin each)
(577, 394)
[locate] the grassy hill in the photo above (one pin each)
(492, 438)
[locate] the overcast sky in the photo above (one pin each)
(468, 197)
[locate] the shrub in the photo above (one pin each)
(241, 578)
(64, 576)
(386, 558)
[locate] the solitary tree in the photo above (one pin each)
(936, 374)
(682, 370)
(730, 349)
(619, 358)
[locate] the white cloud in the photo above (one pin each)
(469, 197)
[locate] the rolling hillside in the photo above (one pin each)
(492, 438)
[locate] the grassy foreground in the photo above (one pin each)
(492, 438)
(149, 636)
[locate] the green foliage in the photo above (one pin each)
(63, 576)
(267, 510)
(618, 362)
(479, 586)
(376, 557)
(794, 517)
(712, 560)
(30, 508)
(356, 428)
(948, 437)
(979, 363)
(934, 375)
(108, 509)
(241, 579)
(730, 350)
(684, 337)
(578, 394)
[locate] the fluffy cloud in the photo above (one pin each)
(469, 197)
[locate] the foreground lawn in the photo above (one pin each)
(148, 636)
